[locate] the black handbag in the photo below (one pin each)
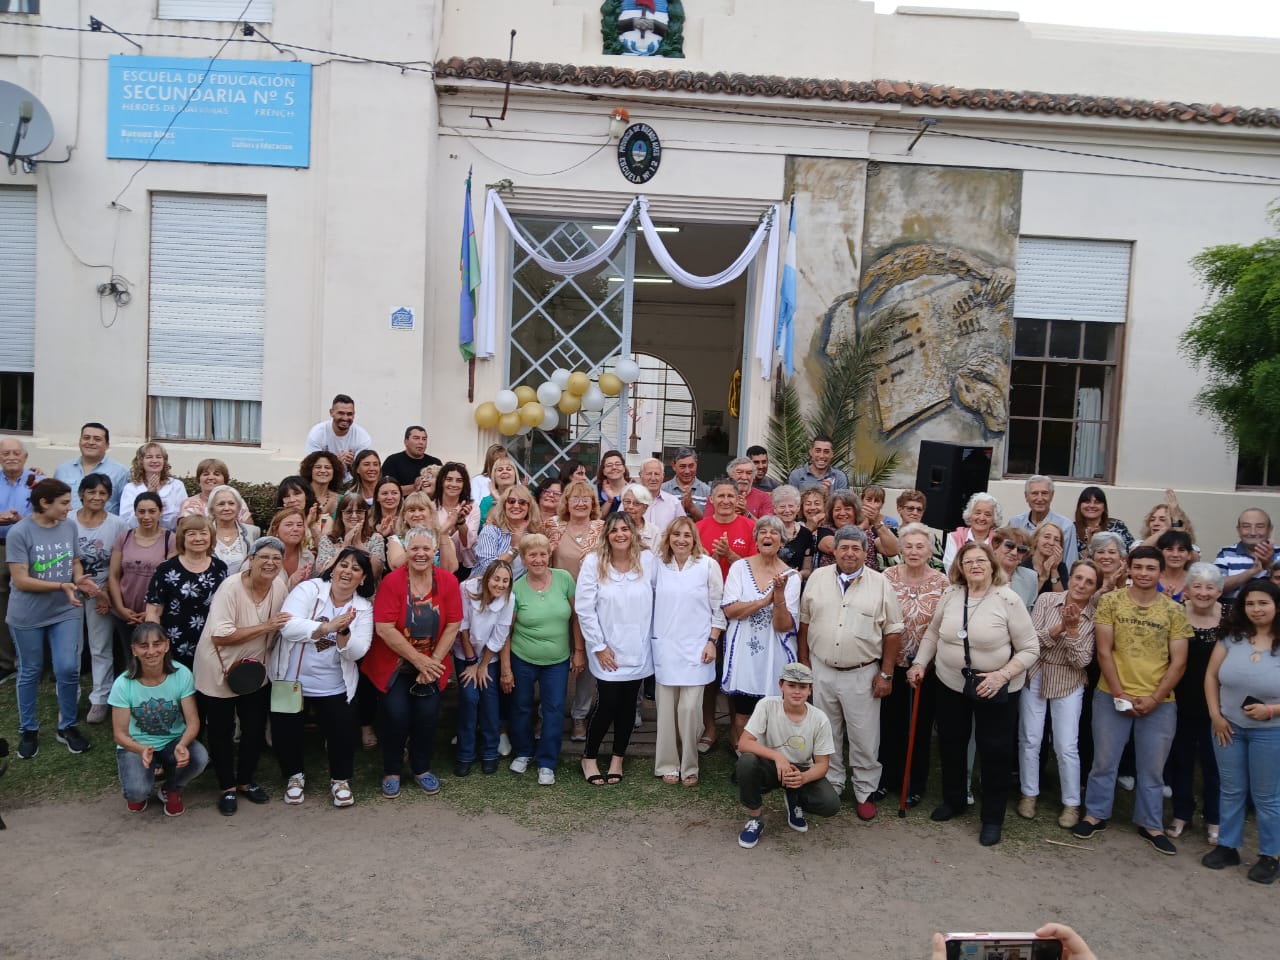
(971, 677)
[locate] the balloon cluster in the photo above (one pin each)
(520, 410)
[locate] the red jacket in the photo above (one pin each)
(390, 605)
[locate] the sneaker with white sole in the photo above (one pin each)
(1126, 783)
(504, 745)
(795, 813)
(341, 793)
(750, 834)
(28, 744)
(519, 764)
(70, 737)
(172, 800)
(546, 776)
(295, 789)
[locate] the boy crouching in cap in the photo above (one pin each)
(787, 742)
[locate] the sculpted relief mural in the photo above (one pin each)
(929, 251)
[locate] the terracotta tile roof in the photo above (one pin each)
(858, 91)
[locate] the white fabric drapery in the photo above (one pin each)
(494, 208)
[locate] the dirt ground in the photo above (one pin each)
(410, 878)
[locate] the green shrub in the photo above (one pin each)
(261, 498)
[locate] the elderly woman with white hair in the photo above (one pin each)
(1108, 551)
(982, 514)
(798, 545)
(636, 499)
(1193, 737)
(232, 537)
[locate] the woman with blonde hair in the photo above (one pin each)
(419, 511)
(1045, 559)
(574, 533)
(614, 603)
(290, 526)
(150, 471)
(514, 516)
(182, 588)
(503, 475)
(687, 626)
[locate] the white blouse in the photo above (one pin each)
(686, 608)
(488, 626)
(310, 605)
(617, 613)
(172, 495)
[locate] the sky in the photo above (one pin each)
(1241, 18)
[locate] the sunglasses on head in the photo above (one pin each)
(1014, 545)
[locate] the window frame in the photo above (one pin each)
(1111, 423)
(209, 439)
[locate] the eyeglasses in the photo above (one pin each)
(973, 561)
(1014, 545)
(580, 500)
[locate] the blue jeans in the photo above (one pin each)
(553, 682)
(1251, 764)
(408, 717)
(477, 715)
(138, 781)
(1152, 738)
(65, 638)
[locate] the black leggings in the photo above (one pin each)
(615, 706)
(337, 722)
(220, 714)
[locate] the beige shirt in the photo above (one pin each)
(1000, 633)
(231, 609)
(847, 627)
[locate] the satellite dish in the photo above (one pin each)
(26, 129)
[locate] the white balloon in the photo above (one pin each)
(552, 419)
(525, 428)
(506, 401)
(560, 378)
(628, 370)
(593, 399)
(549, 394)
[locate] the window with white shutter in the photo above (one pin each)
(227, 10)
(17, 308)
(1071, 300)
(208, 310)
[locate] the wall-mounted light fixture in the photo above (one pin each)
(618, 121)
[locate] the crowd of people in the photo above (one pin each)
(841, 637)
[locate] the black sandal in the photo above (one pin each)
(613, 779)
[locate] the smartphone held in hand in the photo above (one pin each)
(1001, 946)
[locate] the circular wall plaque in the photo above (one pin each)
(639, 153)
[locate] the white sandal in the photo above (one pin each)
(293, 791)
(342, 795)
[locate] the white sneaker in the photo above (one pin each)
(340, 790)
(1167, 791)
(546, 776)
(1126, 783)
(504, 746)
(639, 719)
(520, 764)
(294, 791)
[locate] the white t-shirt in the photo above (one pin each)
(798, 742)
(322, 437)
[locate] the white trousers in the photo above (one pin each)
(679, 719)
(845, 697)
(1064, 714)
(101, 630)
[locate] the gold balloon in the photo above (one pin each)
(487, 415)
(610, 384)
(578, 383)
(531, 414)
(509, 424)
(570, 403)
(526, 394)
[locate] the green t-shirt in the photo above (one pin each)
(155, 713)
(540, 634)
(1141, 639)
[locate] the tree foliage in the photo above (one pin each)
(842, 390)
(1236, 340)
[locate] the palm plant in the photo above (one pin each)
(845, 384)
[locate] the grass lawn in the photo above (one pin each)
(57, 776)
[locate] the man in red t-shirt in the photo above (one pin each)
(725, 534)
(753, 503)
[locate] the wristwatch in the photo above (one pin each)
(886, 676)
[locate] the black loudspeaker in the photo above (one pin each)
(948, 474)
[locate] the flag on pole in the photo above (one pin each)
(785, 344)
(469, 265)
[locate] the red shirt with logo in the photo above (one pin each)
(740, 532)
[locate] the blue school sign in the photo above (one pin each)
(245, 111)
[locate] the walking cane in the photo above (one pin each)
(911, 744)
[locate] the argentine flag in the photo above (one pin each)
(785, 339)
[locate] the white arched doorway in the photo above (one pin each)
(660, 415)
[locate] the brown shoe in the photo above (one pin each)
(1027, 808)
(1069, 817)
